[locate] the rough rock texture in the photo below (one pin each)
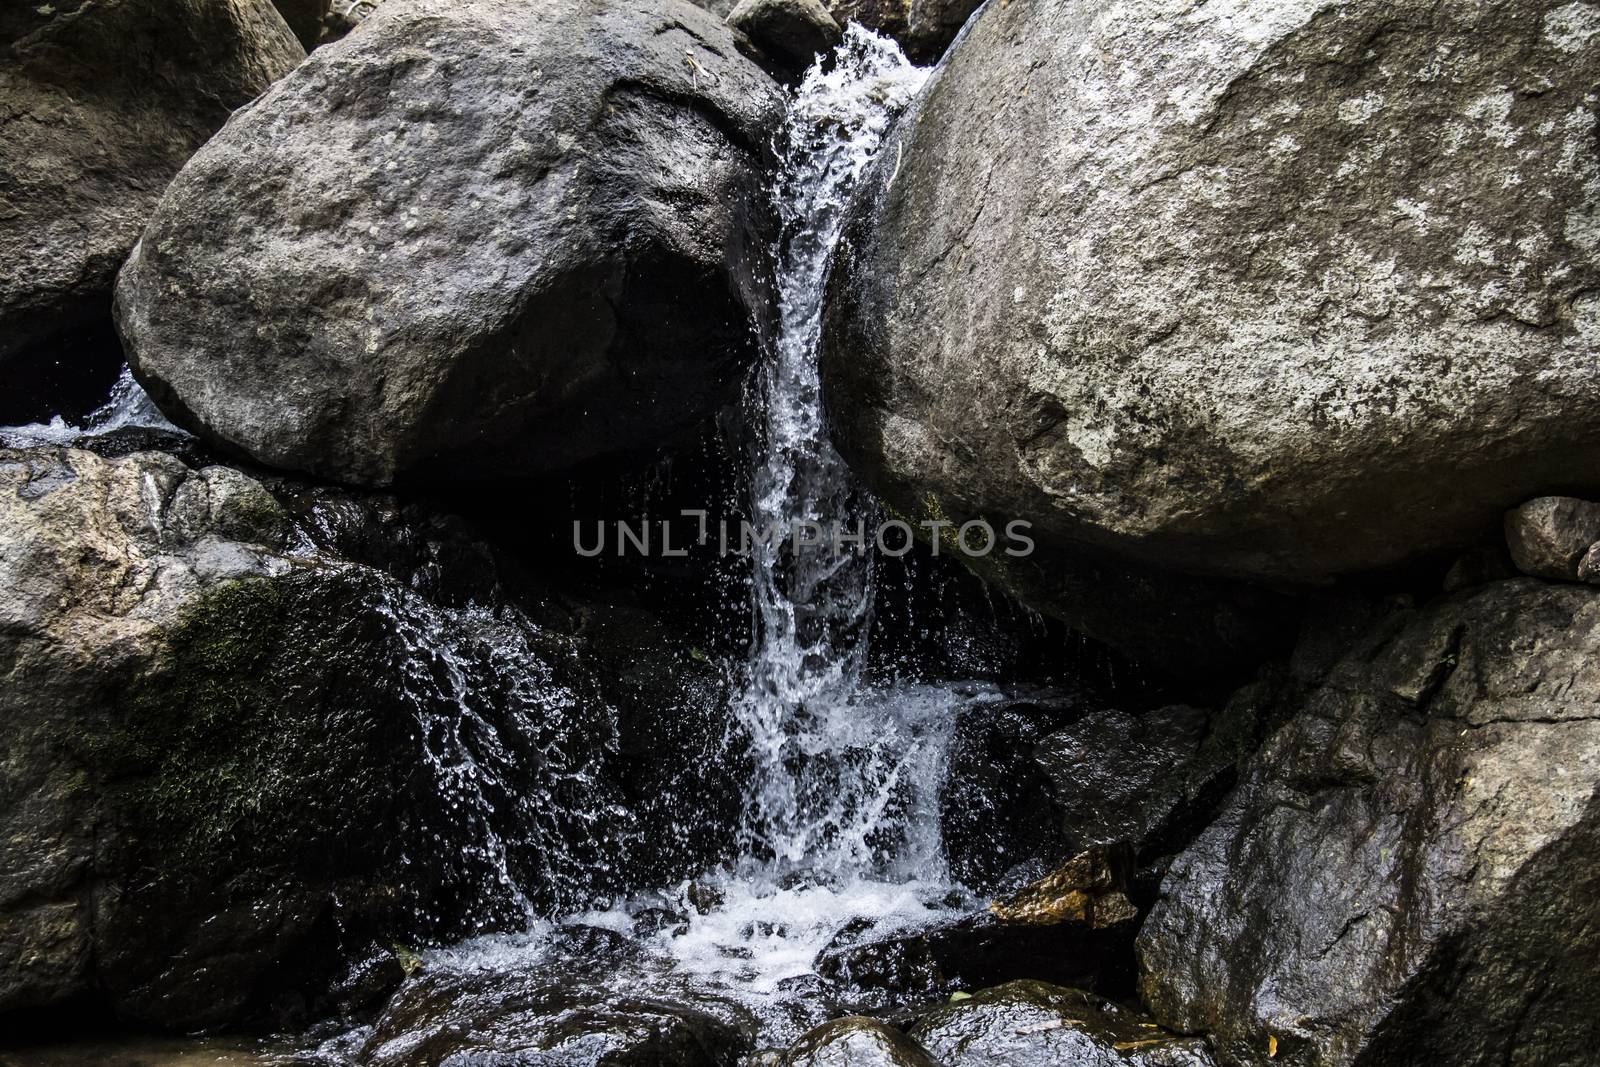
(1408, 868)
(1256, 290)
(100, 103)
(1550, 536)
(564, 1008)
(855, 1041)
(472, 240)
(792, 32)
(235, 755)
(1025, 1024)
(924, 28)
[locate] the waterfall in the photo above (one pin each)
(841, 820)
(821, 780)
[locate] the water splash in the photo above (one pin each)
(128, 407)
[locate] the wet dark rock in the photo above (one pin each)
(1031, 782)
(792, 32)
(102, 103)
(1550, 536)
(565, 260)
(924, 28)
(235, 727)
(1151, 781)
(855, 1041)
(1406, 870)
(1182, 341)
(872, 970)
(997, 819)
(572, 1008)
(1025, 1024)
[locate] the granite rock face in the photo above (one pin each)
(1407, 868)
(472, 240)
(1260, 291)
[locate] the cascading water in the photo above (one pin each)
(841, 820)
(813, 603)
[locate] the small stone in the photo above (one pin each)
(1027, 1023)
(1548, 536)
(1589, 565)
(1089, 889)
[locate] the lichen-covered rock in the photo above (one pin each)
(855, 1041)
(1025, 1024)
(1408, 867)
(100, 104)
(474, 239)
(247, 736)
(1550, 536)
(1258, 290)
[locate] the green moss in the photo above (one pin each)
(197, 723)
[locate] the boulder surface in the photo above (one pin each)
(1260, 290)
(1407, 868)
(473, 240)
(100, 104)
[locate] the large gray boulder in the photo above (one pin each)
(101, 101)
(1407, 872)
(1265, 291)
(474, 239)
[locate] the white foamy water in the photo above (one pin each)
(129, 407)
